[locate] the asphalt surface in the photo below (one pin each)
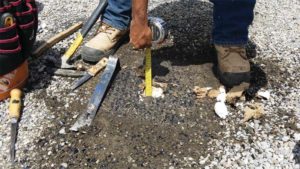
(177, 131)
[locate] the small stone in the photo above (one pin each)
(297, 136)
(213, 93)
(264, 94)
(221, 110)
(201, 92)
(62, 131)
(236, 92)
(285, 138)
(64, 165)
(253, 111)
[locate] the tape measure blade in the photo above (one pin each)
(148, 73)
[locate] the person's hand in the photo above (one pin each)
(140, 34)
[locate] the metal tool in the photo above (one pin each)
(84, 31)
(65, 72)
(159, 34)
(93, 71)
(14, 114)
(87, 117)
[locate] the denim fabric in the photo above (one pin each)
(118, 14)
(231, 21)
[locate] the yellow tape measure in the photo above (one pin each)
(74, 46)
(148, 73)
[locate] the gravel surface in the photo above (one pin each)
(177, 131)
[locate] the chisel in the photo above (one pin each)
(93, 71)
(14, 114)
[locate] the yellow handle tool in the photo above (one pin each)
(15, 103)
(148, 73)
(14, 114)
(69, 53)
(84, 31)
(74, 46)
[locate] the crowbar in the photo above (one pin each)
(87, 117)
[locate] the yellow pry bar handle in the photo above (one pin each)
(86, 28)
(148, 73)
(74, 46)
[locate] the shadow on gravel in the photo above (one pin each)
(190, 24)
(296, 152)
(41, 69)
(40, 6)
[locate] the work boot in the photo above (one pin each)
(233, 65)
(107, 40)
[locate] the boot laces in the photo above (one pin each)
(237, 50)
(108, 30)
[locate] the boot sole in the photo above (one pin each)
(233, 79)
(94, 59)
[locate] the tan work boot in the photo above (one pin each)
(233, 65)
(106, 42)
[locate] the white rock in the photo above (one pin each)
(156, 93)
(297, 136)
(222, 96)
(221, 110)
(62, 131)
(204, 160)
(43, 25)
(264, 94)
(264, 145)
(285, 138)
(65, 165)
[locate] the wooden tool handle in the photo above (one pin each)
(15, 103)
(99, 66)
(55, 39)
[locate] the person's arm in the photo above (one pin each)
(140, 32)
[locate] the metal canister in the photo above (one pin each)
(159, 29)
